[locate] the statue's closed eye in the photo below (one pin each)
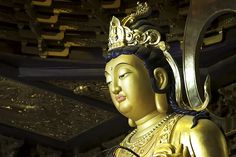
(124, 75)
(108, 83)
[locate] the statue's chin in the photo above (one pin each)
(125, 108)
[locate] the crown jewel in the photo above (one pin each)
(121, 35)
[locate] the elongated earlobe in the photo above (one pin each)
(161, 103)
(131, 123)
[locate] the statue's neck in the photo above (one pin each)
(146, 123)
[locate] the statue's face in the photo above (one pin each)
(130, 86)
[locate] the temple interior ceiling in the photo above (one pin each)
(77, 30)
(46, 113)
(52, 85)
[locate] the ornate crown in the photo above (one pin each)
(121, 35)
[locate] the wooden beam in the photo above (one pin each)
(82, 142)
(99, 134)
(61, 73)
(19, 133)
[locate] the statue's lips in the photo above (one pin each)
(120, 98)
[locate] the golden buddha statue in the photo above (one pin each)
(144, 84)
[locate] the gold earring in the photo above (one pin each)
(131, 123)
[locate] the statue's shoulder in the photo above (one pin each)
(185, 124)
(200, 138)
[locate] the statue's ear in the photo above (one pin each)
(161, 78)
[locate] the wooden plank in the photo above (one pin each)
(57, 72)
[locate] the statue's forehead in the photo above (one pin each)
(126, 59)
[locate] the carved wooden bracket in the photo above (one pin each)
(45, 3)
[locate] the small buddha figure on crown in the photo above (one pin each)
(144, 84)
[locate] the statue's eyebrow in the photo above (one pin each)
(121, 64)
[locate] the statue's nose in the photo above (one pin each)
(116, 89)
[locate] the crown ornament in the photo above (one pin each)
(121, 35)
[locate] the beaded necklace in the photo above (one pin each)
(144, 139)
